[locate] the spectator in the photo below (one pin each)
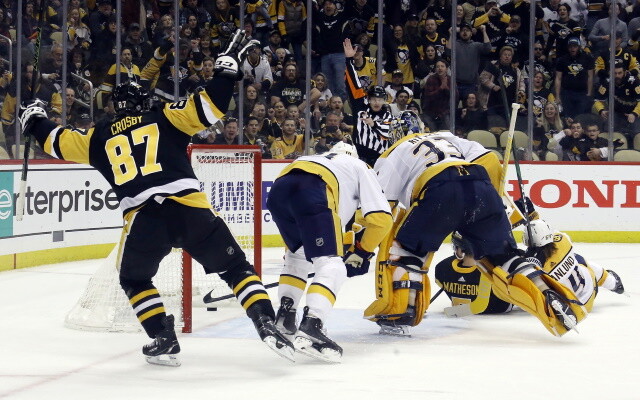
(78, 66)
(490, 97)
(51, 68)
(162, 31)
(574, 80)
(578, 10)
(400, 103)
(517, 39)
(264, 124)
(229, 135)
(522, 10)
(206, 47)
(278, 114)
(292, 14)
(360, 13)
(495, 21)
(192, 8)
(275, 42)
(99, 19)
(224, 21)
(548, 131)
(329, 133)
(396, 84)
(329, 26)
(541, 64)
(364, 40)
(366, 67)
(561, 30)
(141, 50)
(601, 32)
(127, 71)
(253, 137)
(541, 95)
(552, 11)
(103, 49)
(320, 81)
(290, 90)
(403, 56)
(432, 36)
(294, 113)
(626, 102)
(346, 120)
(250, 100)
(78, 33)
(471, 116)
(622, 57)
(291, 144)
(435, 98)
(592, 147)
(257, 71)
(439, 11)
(427, 64)
(569, 143)
(468, 54)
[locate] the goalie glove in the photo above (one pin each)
(525, 202)
(31, 111)
(229, 61)
(357, 261)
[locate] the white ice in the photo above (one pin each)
(480, 357)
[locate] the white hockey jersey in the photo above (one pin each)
(355, 186)
(421, 156)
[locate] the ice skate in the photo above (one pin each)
(163, 349)
(272, 337)
(561, 310)
(286, 318)
(311, 340)
(393, 328)
(619, 286)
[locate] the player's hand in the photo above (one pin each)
(357, 261)
(228, 63)
(31, 111)
(523, 202)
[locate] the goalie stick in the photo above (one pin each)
(27, 137)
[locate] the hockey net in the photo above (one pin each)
(230, 178)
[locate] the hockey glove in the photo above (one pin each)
(357, 261)
(31, 111)
(525, 201)
(228, 63)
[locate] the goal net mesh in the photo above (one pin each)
(229, 179)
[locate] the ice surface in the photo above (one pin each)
(480, 357)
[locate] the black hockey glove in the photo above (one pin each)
(521, 202)
(357, 261)
(229, 61)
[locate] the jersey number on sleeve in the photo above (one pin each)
(121, 158)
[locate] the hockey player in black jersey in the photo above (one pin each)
(372, 117)
(142, 153)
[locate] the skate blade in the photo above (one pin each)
(282, 350)
(403, 331)
(568, 321)
(166, 360)
(305, 346)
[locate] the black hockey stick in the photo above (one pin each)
(516, 162)
(207, 299)
(27, 137)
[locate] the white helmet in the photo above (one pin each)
(344, 148)
(541, 234)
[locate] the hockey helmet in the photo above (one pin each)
(461, 246)
(541, 234)
(344, 148)
(407, 123)
(377, 91)
(130, 98)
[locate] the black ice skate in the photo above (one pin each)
(286, 318)
(163, 349)
(561, 310)
(619, 286)
(311, 340)
(272, 337)
(397, 327)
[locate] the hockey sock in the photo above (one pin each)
(148, 307)
(330, 275)
(249, 290)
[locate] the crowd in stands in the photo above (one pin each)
(570, 81)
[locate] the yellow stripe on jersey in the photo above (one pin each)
(292, 280)
(253, 298)
(142, 295)
(322, 290)
(151, 313)
(240, 286)
(323, 172)
(73, 144)
(337, 224)
(491, 163)
(197, 200)
(194, 114)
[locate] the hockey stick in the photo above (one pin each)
(512, 120)
(208, 298)
(27, 137)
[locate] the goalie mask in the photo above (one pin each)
(407, 123)
(130, 98)
(541, 234)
